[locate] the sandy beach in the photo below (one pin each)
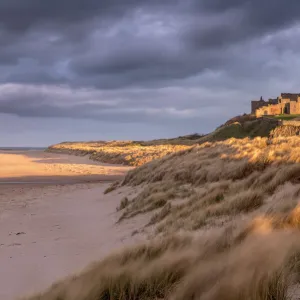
(55, 219)
(39, 166)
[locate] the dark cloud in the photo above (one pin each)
(117, 43)
(18, 15)
(63, 102)
(236, 21)
(145, 61)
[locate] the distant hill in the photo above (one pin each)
(136, 153)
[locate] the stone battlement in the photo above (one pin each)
(286, 103)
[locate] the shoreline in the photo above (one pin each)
(64, 180)
(37, 165)
(56, 220)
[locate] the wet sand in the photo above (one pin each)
(50, 230)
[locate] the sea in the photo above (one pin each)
(21, 148)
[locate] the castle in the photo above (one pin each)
(286, 103)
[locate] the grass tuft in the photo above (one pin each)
(124, 203)
(112, 187)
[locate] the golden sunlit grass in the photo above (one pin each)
(127, 153)
(137, 153)
(289, 130)
(226, 220)
(217, 182)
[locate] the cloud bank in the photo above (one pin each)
(192, 63)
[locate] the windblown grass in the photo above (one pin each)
(137, 153)
(234, 235)
(257, 261)
(119, 152)
(218, 181)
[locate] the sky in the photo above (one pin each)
(139, 69)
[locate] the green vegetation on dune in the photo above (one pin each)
(235, 130)
(181, 140)
(286, 117)
(239, 130)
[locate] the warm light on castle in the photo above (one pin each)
(286, 103)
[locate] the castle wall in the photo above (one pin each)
(275, 109)
(261, 111)
(257, 104)
(285, 100)
(284, 104)
(294, 108)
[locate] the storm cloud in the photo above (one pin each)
(191, 63)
